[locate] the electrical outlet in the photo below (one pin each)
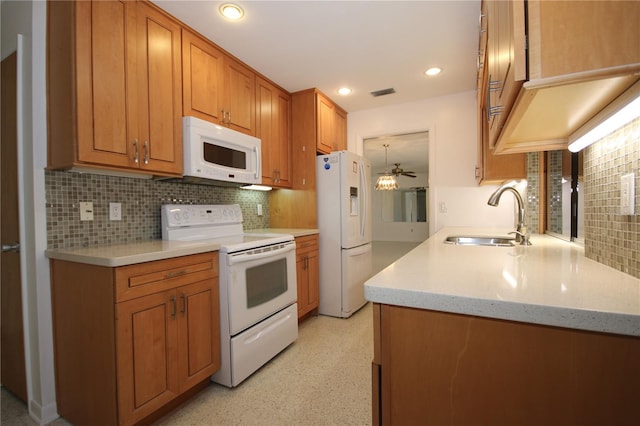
(259, 209)
(627, 194)
(86, 210)
(115, 211)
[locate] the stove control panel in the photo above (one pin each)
(181, 215)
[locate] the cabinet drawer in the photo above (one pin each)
(146, 278)
(306, 244)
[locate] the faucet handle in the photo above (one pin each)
(521, 238)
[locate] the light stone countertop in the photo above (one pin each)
(131, 253)
(147, 251)
(550, 282)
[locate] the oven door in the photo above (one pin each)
(261, 282)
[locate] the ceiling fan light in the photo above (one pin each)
(386, 183)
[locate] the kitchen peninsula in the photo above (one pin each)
(504, 335)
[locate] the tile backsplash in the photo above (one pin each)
(140, 199)
(532, 200)
(611, 238)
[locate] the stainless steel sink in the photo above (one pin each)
(464, 240)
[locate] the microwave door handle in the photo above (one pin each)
(258, 174)
(246, 257)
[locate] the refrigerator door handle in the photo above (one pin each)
(364, 188)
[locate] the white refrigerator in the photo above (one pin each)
(344, 220)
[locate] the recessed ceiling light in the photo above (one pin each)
(344, 91)
(433, 71)
(231, 11)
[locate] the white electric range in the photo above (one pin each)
(258, 290)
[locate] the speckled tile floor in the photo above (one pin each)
(323, 378)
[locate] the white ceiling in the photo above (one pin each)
(365, 45)
(410, 150)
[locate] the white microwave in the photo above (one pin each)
(218, 153)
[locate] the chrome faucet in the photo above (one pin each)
(522, 236)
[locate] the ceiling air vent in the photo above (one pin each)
(383, 92)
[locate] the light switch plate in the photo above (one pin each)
(627, 194)
(86, 210)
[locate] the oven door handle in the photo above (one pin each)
(248, 256)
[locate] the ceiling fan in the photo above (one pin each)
(397, 171)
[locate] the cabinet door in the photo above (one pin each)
(340, 129)
(264, 130)
(303, 284)
(307, 269)
(506, 61)
(159, 91)
(202, 73)
(272, 127)
(326, 133)
(313, 279)
(106, 83)
(146, 354)
(199, 332)
(282, 130)
(239, 97)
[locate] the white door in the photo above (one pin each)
(356, 269)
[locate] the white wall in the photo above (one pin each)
(23, 28)
(454, 197)
(397, 231)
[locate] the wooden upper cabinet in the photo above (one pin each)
(203, 78)
(572, 37)
(554, 66)
(326, 141)
(159, 90)
(340, 128)
(331, 125)
(492, 168)
(113, 85)
(239, 96)
(216, 87)
(506, 60)
(273, 118)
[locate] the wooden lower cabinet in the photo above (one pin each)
(434, 368)
(308, 274)
(130, 340)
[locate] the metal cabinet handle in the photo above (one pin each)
(495, 110)
(184, 304)
(493, 86)
(224, 116)
(11, 247)
(136, 157)
(228, 117)
(173, 311)
(146, 152)
(176, 274)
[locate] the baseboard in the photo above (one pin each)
(43, 415)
